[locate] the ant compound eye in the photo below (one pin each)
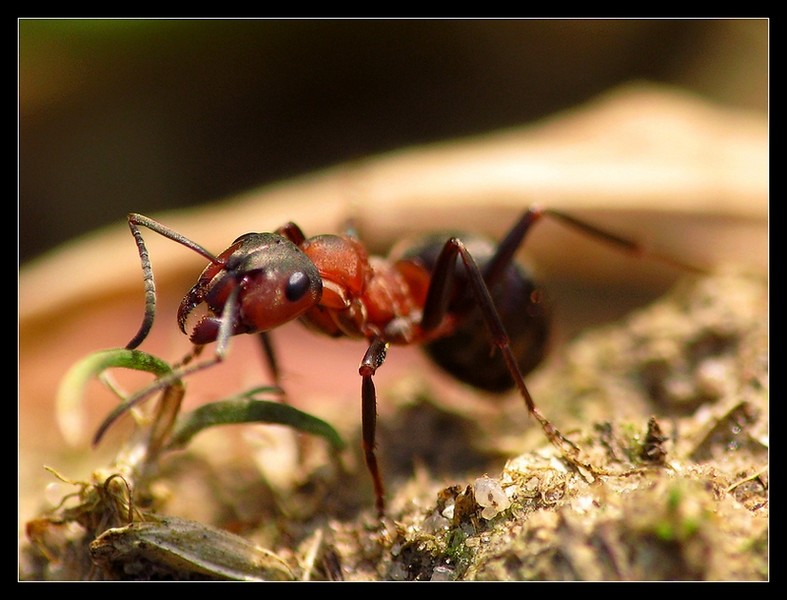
(297, 285)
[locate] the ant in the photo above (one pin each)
(441, 293)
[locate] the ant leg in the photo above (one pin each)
(193, 354)
(269, 352)
(435, 307)
(222, 342)
(374, 357)
(513, 239)
(292, 232)
(624, 244)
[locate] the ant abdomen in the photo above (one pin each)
(466, 353)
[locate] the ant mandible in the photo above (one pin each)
(436, 293)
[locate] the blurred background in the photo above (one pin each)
(145, 115)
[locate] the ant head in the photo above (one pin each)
(277, 282)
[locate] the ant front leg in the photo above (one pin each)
(222, 343)
(436, 306)
(269, 354)
(374, 358)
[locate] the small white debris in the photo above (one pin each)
(584, 503)
(436, 522)
(448, 511)
(489, 494)
(442, 573)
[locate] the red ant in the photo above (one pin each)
(436, 293)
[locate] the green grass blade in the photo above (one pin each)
(69, 402)
(246, 409)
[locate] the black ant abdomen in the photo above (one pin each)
(465, 354)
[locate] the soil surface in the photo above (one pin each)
(669, 410)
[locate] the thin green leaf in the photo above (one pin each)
(68, 408)
(246, 409)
